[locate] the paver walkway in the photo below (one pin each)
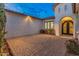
(37, 45)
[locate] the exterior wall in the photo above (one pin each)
(18, 25)
(76, 27)
(61, 11)
(76, 17)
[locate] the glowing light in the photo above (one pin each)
(66, 19)
(28, 19)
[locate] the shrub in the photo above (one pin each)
(72, 47)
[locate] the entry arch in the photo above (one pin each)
(67, 25)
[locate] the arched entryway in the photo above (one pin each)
(67, 25)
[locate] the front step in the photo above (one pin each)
(67, 36)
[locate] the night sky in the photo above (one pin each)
(38, 10)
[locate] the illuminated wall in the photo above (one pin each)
(19, 25)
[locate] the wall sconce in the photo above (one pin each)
(28, 19)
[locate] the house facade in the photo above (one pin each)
(21, 25)
(66, 21)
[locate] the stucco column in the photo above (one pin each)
(74, 33)
(76, 27)
(56, 29)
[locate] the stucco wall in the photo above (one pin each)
(77, 25)
(18, 25)
(61, 14)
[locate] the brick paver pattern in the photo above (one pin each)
(37, 45)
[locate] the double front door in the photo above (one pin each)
(67, 27)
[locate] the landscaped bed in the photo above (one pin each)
(5, 51)
(72, 47)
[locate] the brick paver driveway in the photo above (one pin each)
(37, 45)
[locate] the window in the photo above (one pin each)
(65, 7)
(46, 25)
(52, 25)
(49, 25)
(60, 9)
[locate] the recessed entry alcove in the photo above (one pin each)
(67, 27)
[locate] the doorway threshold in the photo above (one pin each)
(67, 36)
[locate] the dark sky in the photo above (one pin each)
(38, 10)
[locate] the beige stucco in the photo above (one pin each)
(19, 25)
(61, 14)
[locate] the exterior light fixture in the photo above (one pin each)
(28, 19)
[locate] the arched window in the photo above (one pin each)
(60, 9)
(65, 8)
